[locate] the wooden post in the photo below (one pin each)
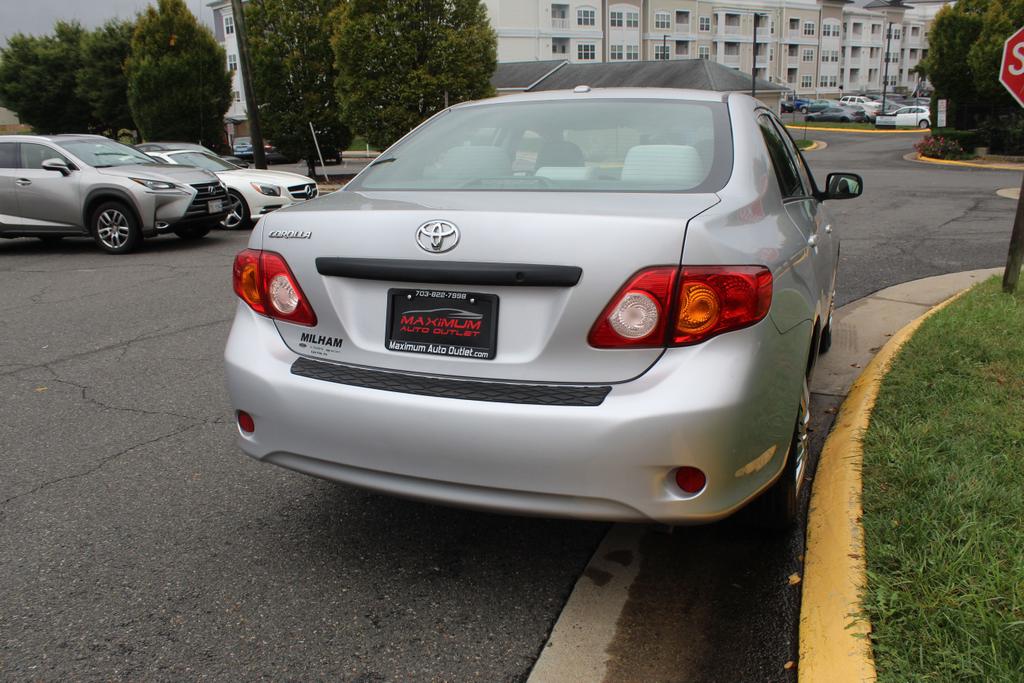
(1015, 255)
(252, 108)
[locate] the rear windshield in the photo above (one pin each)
(638, 145)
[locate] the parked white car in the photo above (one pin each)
(905, 116)
(252, 192)
(871, 106)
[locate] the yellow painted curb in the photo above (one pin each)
(970, 164)
(817, 144)
(834, 643)
(797, 126)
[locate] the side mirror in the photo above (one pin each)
(843, 186)
(57, 165)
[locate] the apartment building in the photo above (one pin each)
(224, 31)
(815, 47)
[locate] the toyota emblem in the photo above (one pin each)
(437, 236)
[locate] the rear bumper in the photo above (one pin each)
(720, 406)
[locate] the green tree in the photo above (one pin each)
(294, 76)
(949, 42)
(101, 80)
(400, 60)
(178, 84)
(999, 22)
(37, 80)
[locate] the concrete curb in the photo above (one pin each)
(834, 643)
(868, 131)
(818, 144)
(995, 165)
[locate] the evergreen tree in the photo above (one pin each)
(294, 74)
(178, 84)
(401, 61)
(101, 81)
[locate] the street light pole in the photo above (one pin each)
(259, 159)
(664, 46)
(885, 77)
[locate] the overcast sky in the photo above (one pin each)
(38, 16)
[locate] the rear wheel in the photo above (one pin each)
(923, 124)
(115, 228)
(192, 232)
(803, 110)
(779, 506)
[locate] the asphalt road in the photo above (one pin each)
(139, 543)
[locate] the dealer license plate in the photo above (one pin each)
(442, 323)
(215, 205)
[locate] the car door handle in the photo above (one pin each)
(22, 182)
(812, 241)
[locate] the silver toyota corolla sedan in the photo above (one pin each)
(600, 304)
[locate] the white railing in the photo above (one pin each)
(559, 23)
(725, 29)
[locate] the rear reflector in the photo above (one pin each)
(263, 280)
(245, 422)
(690, 479)
(669, 306)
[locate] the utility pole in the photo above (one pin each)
(885, 77)
(259, 158)
(664, 46)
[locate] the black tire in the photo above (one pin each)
(192, 232)
(826, 339)
(115, 228)
(923, 124)
(239, 217)
(803, 110)
(779, 506)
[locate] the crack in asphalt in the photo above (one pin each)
(102, 462)
(118, 345)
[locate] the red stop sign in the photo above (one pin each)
(1011, 72)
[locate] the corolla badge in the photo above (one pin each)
(437, 236)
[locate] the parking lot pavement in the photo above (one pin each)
(139, 543)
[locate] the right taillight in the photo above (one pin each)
(671, 306)
(263, 280)
(716, 299)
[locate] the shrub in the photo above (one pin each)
(938, 147)
(1005, 133)
(968, 139)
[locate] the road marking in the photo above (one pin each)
(1009, 192)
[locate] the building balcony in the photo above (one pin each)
(729, 60)
(728, 30)
(561, 24)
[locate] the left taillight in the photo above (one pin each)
(263, 280)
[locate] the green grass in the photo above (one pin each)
(944, 498)
(804, 143)
(359, 145)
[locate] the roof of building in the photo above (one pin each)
(521, 75)
(695, 74)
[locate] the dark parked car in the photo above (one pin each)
(839, 114)
(814, 106)
(243, 148)
(788, 106)
(190, 146)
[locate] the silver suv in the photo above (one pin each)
(57, 186)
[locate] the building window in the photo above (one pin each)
(807, 81)
(662, 20)
(808, 28)
(632, 20)
(896, 34)
(682, 48)
(661, 51)
(614, 52)
(586, 17)
(703, 52)
(683, 17)
(632, 53)
(808, 55)
(832, 81)
(236, 96)
(229, 25)
(705, 24)
(615, 19)
(835, 55)
(586, 52)
(823, 81)
(232, 63)
(794, 24)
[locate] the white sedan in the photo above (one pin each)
(252, 192)
(905, 116)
